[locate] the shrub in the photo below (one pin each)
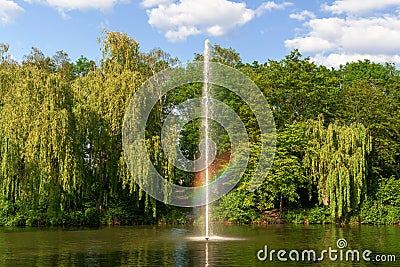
(389, 192)
(319, 215)
(92, 216)
(375, 212)
(295, 217)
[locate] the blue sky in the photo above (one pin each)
(330, 32)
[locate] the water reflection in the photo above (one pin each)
(180, 253)
(206, 265)
(171, 246)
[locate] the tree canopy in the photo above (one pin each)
(61, 159)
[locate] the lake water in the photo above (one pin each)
(184, 246)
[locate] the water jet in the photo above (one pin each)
(205, 122)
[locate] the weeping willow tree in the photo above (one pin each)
(60, 134)
(36, 137)
(102, 98)
(336, 158)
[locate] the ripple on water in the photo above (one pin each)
(213, 238)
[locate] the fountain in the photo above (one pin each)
(229, 165)
(207, 108)
(205, 127)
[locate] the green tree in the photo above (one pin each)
(226, 56)
(4, 56)
(36, 138)
(336, 158)
(83, 65)
(371, 96)
(38, 59)
(296, 88)
(286, 177)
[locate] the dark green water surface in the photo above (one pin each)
(184, 246)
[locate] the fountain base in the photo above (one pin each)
(213, 238)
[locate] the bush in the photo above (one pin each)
(17, 220)
(319, 215)
(6, 211)
(75, 217)
(172, 215)
(389, 192)
(295, 217)
(114, 215)
(375, 212)
(235, 207)
(34, 218)
(92, 216)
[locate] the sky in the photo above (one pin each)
(329, 32)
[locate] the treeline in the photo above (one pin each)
(61, 162)
(337, 157)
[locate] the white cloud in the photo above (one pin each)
(356, 35)
(303, 15)
(335, 59)
(9, 10)
(360, 6)
(181, 19)
(335, 40)
(269, 6)
(309, 44)
(372, 35)
(152, 3)
(327, 28)
(181, 33)
(67, 5)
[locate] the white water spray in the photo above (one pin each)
(205, 121)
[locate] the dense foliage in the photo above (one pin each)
(61, 162)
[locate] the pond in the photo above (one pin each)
(184, 246)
